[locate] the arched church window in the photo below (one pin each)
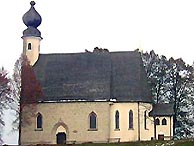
(157, 121)
(130, 119)
(93, 120)
(117, 119)
(164, 122)
(39, 121)
(29, 46)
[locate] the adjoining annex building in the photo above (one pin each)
(97, 96)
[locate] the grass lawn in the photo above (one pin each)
(148, 143)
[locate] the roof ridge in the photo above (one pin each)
(89, 52)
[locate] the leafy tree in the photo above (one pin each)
(27, 92)
(172, 81)
(5, 97)
(180, 91)
(156, 67)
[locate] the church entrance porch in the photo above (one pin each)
(61, 138)
(60, 133)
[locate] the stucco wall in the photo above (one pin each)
(146, 132)
(124, 133)
(74, 119)
(138, 132)
(32, 54)
(165, 129)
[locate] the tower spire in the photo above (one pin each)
(32, 20)
(31, 36)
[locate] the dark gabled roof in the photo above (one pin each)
(162, 109)
(93, 76)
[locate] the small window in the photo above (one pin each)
(29, 46)
(157, 121)
(164, 122)
(39, 121)
(92, 118)
(117, 120)
(145, 120)
(130, 119)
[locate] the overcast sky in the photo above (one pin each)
(166, 26)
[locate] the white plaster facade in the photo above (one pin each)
(72, 118)
(166, 130)
(31, 48)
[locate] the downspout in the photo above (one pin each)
(138, 123)
(109, 124)
(170, 129)
(154, 128)
(111, 97)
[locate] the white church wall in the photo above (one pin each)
(137, 132)
(124, 133)
(33, 52)
(74, 117)
(146, 122)
(166, 130)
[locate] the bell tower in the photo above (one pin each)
(31, 36)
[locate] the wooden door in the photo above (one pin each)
(160, 136)
(61, 138)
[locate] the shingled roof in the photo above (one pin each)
(162, 109)
(93, 76)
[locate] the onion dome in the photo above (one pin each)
(32, 20)
(31, 31)
(32, 17)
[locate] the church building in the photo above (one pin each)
(97, 96)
